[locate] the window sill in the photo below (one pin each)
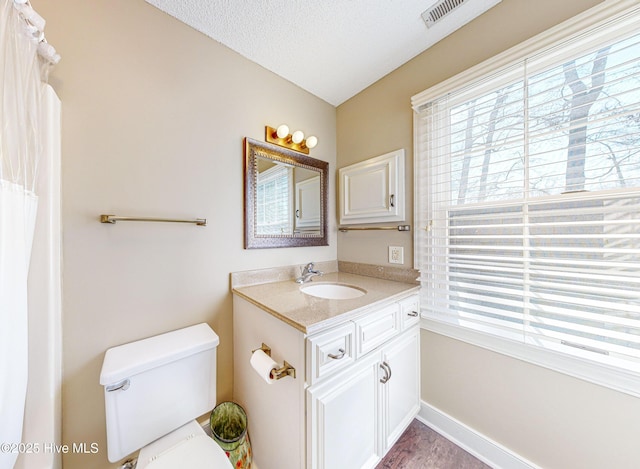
(615, 379)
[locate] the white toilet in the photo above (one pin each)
(154, 389)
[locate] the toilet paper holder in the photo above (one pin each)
(278, 373)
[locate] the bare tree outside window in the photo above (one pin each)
(583, 131)
(515, 154)
(581, 101)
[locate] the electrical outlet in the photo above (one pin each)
(396, 255)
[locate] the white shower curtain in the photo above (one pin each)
(17, 219)
(21, 73)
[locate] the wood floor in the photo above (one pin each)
(419, 447)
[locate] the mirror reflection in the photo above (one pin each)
(285, 197)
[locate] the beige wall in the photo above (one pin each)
(551, 419)
(154, 114)
(379, 119)
(153, 119)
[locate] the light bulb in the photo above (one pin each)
(312, 141)
(297, 136)
(283, 131)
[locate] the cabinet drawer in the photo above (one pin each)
(376, 328)
(409, 311)
(330, 351)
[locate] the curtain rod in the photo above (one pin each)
(34, 25)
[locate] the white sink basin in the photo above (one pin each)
(333, 291)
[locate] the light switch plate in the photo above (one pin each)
(396, 255)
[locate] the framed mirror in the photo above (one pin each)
(285, 197)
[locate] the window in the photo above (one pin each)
(528, 184)
(273, 201)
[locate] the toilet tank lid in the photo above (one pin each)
(126, 360)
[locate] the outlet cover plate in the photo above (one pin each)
(396, 255)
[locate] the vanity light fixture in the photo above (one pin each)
(282, 131)
(297, 136)
(294, 141)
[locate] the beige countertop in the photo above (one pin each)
(311, 314)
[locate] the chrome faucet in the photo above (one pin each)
(307, 273)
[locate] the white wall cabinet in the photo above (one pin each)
(372, 191)
(356, 390)
(307, 206)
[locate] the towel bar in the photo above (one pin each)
(112, 219)
(344, 229)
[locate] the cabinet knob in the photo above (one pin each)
(337, 356)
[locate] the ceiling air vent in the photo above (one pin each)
(439, 10)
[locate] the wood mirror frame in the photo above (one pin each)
(255, 150)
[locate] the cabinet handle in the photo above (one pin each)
(388, 368)
(385, 378)
(337, 356)
(392, 200)
(298, 213)
(413, 314)
(387, 372)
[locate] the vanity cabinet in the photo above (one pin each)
(355, 392)
(372, 191)
(356, 416)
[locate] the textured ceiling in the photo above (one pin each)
(331, 48)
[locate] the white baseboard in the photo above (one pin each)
(477, 444)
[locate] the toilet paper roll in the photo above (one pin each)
(263, 364)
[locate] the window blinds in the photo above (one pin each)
(273, 201)
(528, 185)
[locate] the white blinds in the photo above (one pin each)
(528, 182)
(273, 201)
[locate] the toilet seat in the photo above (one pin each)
(188, 446)
(194, 453)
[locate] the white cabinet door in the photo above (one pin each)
(343, 419)
(400, 395)
(308, 204)
(373, 190)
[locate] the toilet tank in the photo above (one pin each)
(155, 385)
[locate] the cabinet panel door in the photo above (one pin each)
(373, 190)
(401, 393)
(367, 191)
(308, 204)
(343, 426)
